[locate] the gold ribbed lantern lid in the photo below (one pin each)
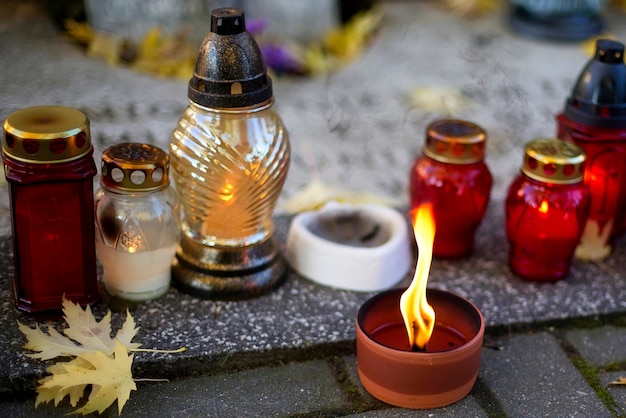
(135, 167)
(455, 141)
(554, 160)
(46, 134)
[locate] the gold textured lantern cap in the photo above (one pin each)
(455, 141)
(46, 134)
(554, 161)
(132, 167)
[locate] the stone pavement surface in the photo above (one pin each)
(550, 350)
(551, 371)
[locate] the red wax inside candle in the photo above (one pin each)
(443, 374)
(394, 335)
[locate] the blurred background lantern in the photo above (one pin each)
(565, 20)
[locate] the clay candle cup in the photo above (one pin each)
(443, 373)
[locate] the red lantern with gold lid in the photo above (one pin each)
(595, 119)
(48, 160)
(546, 209)
(451, 174)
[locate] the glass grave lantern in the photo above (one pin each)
(229, 158)
(595, 119)
(48, 161)
(137, 221)
(452, 174)
(546, 209)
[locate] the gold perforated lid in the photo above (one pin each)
(134, 167)
(553, 160)
(46, 134)
(455, 141)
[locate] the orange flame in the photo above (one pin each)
(419, 316)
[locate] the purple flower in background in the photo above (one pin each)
(281, 59)
(256, 26)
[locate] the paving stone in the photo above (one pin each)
(27, 410)
(617, 392)
(532, 377)
(463, 408)
(600, 346)
(466, 407)
(294, 388)
(353, 374)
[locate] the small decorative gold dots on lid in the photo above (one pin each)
(555, 161)
(455, 141)
(133, 167)
(46, 134)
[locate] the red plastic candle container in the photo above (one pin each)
(452, 175)
(546, 210)
(595, 119)
(49, 166)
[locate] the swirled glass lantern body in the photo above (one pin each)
(229, 166)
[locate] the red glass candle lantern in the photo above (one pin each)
(546, 209)
(452, 175)
(48, 160)
(595, 119)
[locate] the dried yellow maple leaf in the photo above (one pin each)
(594, 243)
(446, 100)
(317, 194)
(107, 47)
(57, 394)
(84, 332)
(110, 378)
(472, 7)
(99, 361)
(79, 31)
(348, 41)
(620, 381)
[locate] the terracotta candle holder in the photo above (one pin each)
(443, 373)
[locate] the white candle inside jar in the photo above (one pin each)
(137, 221)
(136, 276)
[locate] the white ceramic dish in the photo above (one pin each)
(363, 248)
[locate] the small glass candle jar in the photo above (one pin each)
(546, 210)
(452, 175)
(48, 160)
(137, 221)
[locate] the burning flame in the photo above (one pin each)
(419, 316)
